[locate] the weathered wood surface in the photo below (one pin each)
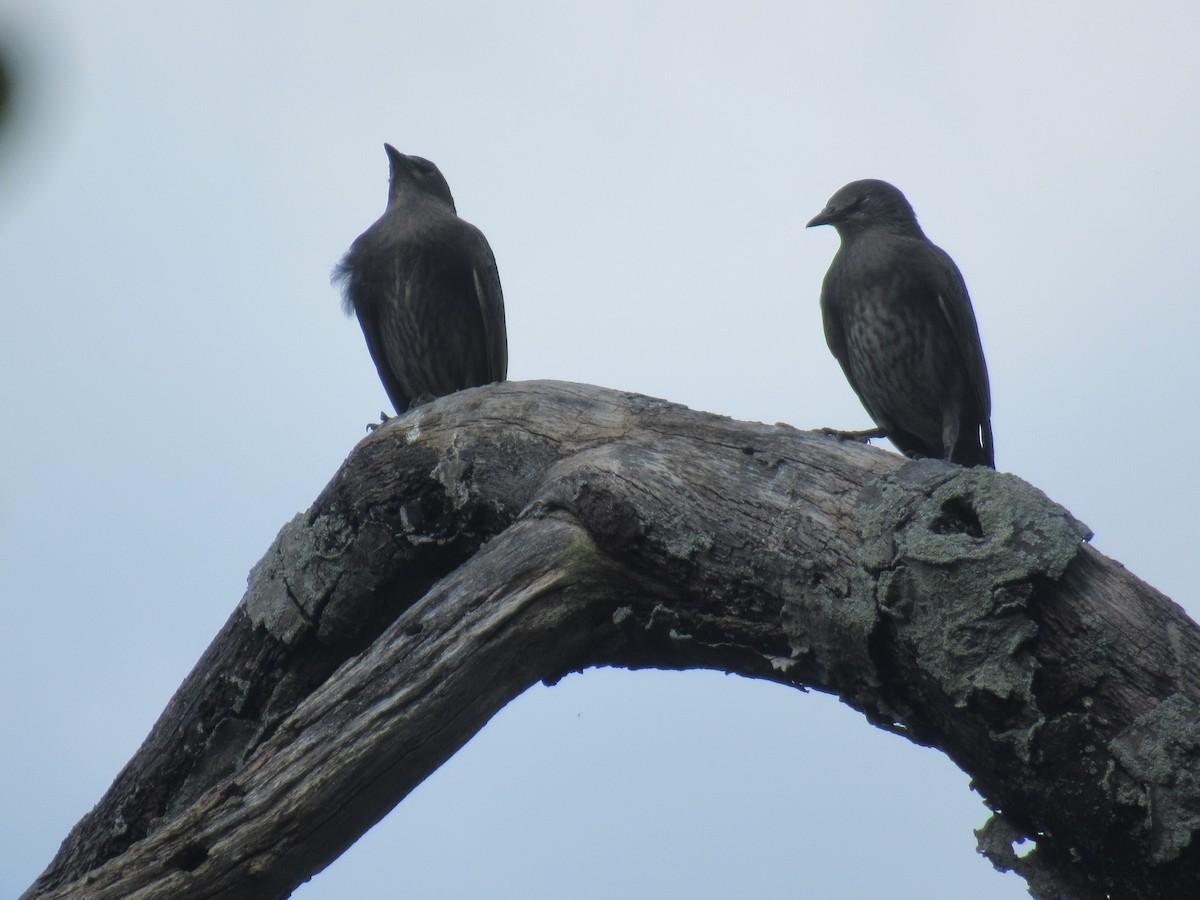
(514, 533)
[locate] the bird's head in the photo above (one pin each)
(866, 204)
(413, 176)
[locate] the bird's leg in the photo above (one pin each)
(949, 432)
(860, 436)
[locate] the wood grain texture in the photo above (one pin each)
(515, 533)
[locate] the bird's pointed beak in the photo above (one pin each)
(824, 217)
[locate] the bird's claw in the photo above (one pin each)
(384, 418)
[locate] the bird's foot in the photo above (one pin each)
(860, 437)
(421, 400)
(384, 418)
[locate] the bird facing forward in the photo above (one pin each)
(424, 286)
(899, 320)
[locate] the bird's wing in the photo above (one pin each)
(955, 305)
(368, 291)
(491, 309)
(445, 320)
(390, 331)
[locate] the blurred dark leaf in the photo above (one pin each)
(5, 89)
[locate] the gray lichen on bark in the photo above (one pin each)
(284, 591)
(1157, 768)
(950, 557)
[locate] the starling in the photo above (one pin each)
(899, 320)
(424, 286)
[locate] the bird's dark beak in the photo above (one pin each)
(827, 216)
(393, 153)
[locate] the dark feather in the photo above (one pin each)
(424, 286)
(898, 319)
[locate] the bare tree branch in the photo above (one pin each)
(515, 533)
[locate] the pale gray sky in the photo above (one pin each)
(178, 379)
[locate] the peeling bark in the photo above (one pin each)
(515, 533)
